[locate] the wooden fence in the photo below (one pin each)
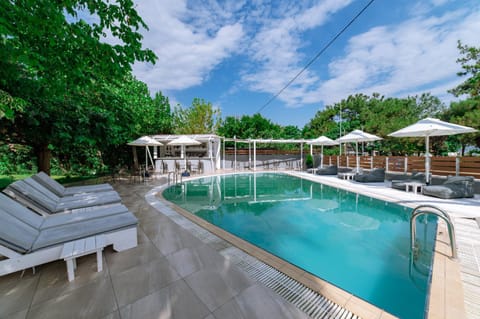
(440, 165)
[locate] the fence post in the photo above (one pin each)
(348, 162)
(386, 164)
(457, 166)
(371, 162)
(406, 164)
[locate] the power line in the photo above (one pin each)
(317, 55)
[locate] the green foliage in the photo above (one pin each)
(309, 161)
(376, 115)
(467, 113)
(16, 159)
(470, 61)
(60, 66)
(200, 118)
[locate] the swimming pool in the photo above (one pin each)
(357, 243)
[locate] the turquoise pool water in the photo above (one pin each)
(357, 243)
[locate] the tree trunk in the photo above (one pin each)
(135, 158)
(43, 158)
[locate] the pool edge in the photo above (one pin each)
(445, 299)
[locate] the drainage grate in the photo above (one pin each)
(309, 301)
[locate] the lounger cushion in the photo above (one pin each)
(40, 199)
(59, 190)
(375, 175)
(15, 234)
(65, 233)
(453, 187)
(20, 212)
(93, 213)
(327, 170)
(27, 193)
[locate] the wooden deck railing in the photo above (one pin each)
(440, 165)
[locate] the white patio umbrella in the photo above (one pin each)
(184, 141)
(357, 136)
(431, 127)
(146, 141)
(322, 140)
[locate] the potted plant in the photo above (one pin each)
(309, 161)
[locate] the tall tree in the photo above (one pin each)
(54, 60)
(470, 62)
(200, 118)
(466, 112)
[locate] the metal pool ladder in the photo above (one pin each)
(429, 209)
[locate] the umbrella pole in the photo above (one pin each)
(358, 159)
(321, 158)
(146, 164)
(427, 159)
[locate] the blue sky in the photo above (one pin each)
(238, 54)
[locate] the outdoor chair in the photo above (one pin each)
(400, 181)
(44, 202)
(28, 240)
(374, 176)
(453, 187)
(193, 167)
(61, 191)
(327, 170)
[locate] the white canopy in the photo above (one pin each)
(184, 141)
(431, 127)
(322, 140)
(145, 141)
(358, 136)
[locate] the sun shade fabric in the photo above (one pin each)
(322, 140)
(145, 141)
(358, 136)
(184, 140)
(431, 127)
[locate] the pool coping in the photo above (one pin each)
(445, 298)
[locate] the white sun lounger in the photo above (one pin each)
(28, 240)
(44, 202)
(61, 191)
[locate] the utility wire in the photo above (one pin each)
(316, 56)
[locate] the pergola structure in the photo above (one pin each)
(254, 142)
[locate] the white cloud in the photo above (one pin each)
(186, 52)
(275, 50)
(397, 60)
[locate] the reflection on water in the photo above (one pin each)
(355, 242)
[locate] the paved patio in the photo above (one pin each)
(173, 274)
(170, 274)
